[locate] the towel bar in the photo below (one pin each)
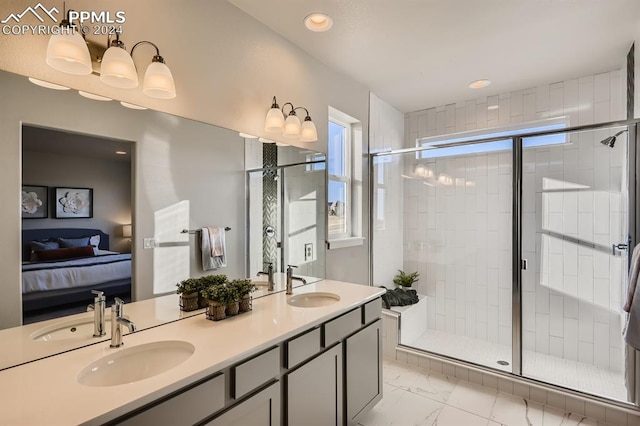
(193, 231)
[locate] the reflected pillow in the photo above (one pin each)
(65, 253)
(41, 245)
(73, 242)
(94, 240)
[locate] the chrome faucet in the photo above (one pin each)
(269, 274)
(97, 307)
(290, 279)
(117, 321)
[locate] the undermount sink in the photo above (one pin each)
(136, 363)
(313, 300)
(72, 329)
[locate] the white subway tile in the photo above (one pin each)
(601, 87)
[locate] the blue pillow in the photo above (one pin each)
(44, 245)
(73, 242)
(41, 245)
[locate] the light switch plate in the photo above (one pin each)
(149, 243)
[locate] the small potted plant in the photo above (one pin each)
(188, 290)
(233, 304)
(218, 296)
(206, 282)
(404, 280)
(245, 287)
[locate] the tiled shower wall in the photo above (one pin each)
(458, 235)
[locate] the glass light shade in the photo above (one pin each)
(420, 170)
(117, 69)
(158, 82)
(308, 132)
(274, 123)
(69, 53)
(292, 127)
(47, 85)
(126, 231)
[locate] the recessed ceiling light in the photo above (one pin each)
(247, 136)
(479, 84)
(493, 107)
(131, 106)
(93, 96)
(318, 22)
(265, 140)
(46, 84)
(121, 152)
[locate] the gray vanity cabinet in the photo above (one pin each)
(363, 354)
(315, 391)
(262, 409)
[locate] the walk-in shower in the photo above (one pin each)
(521, 242)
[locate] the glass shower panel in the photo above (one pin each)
(286, 218)
(574, 209)
(455, 229)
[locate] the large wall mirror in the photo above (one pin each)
(136, 179)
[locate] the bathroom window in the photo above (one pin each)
(344, 176)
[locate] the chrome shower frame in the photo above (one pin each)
(633, 160)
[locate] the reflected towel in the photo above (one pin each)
(213, 248)
(632, 305)
(633, 278)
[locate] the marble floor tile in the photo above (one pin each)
(450, 416)
(406, 410)
(400, 375)
(434, 386)
(473, 398)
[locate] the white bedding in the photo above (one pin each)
(46, 276)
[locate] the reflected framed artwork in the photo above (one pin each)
(73, 203)
(35, 202)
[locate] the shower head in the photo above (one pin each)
(611, 140)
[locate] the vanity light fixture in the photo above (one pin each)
(68, 52)
(247, 135)
(132, 106)
(47, 85)
(479, 84)
(318, 22)
(291, 127)
(94, 96)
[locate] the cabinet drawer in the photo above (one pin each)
(253, 373)
(303, 347)
(339, 328)
(371, 311)
(188, 407)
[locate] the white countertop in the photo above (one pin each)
(46, 391)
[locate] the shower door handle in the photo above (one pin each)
(621, 247)
(524, 263)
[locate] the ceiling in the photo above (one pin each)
(418, 54)
(40, 139)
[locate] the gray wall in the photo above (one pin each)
(111, 183)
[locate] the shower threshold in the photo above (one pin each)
(571, 374)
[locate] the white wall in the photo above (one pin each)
(227, 66)
(178, 163)
(109, 179)
(386, 133)
(462, 246)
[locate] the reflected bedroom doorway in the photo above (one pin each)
(77, 214)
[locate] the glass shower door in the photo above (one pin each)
(455, 229)
(574, 228)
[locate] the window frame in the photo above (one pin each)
(346, 178)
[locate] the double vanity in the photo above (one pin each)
(313, 357)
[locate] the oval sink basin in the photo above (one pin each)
(73, 329)
(136, 363)
(313, 300)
